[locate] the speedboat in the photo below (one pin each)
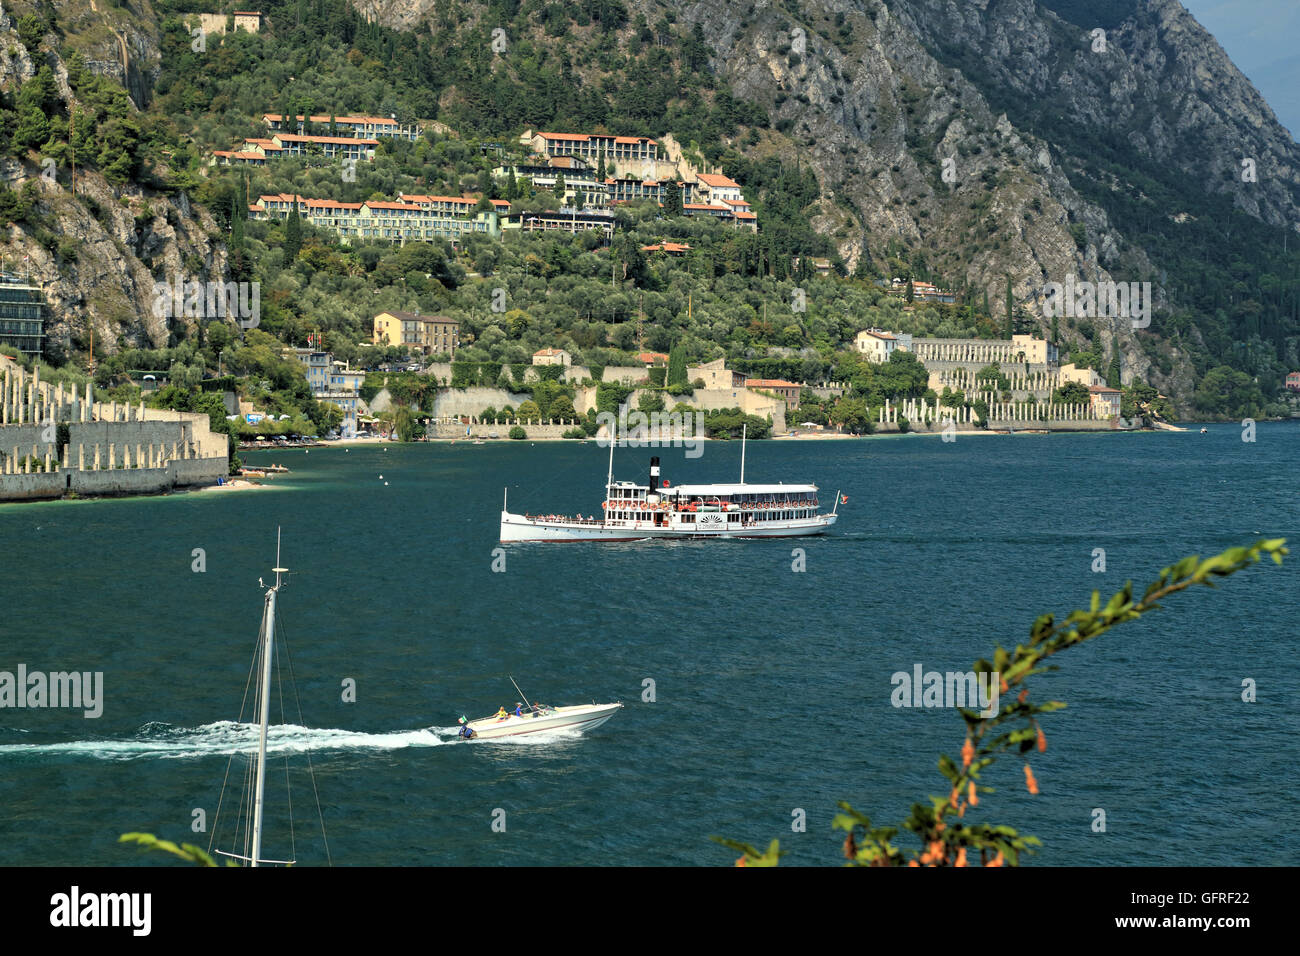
(537, 718)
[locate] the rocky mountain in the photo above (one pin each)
(96, 251)
(976, 143)
(987, 138)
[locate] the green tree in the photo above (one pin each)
(1072, 393)
(1011, 326)
(676, 366)
(650, 402)
(292, 236)
(37, 99)
(672, 199)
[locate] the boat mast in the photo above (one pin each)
(744, 430)
(267, 643)
(609, 477)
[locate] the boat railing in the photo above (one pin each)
(564, 519)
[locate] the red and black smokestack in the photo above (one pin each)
(654, 474)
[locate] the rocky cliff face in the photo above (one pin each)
(126, 238)
(899, 106)
(965, 131)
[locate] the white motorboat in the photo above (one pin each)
(660, 509)
(538, 718)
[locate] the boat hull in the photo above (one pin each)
(515, 527)
(581, 717)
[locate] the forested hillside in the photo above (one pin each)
(837, 122)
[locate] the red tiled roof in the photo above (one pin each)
(714, 179)
(770, 383)
(341, 140)
(421, 198)
(575, 137)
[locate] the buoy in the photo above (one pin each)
(381, 476)
(385, 484)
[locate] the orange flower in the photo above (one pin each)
(912, 863)
(952, 798)
(1030, 782)
(741, 862)
(967, 753)
(1023, 695)
(1042, 740)
(1005, 688)
(997, 860)
(961, 857)
(974, 800)
(936, 851)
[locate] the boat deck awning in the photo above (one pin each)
(728, 491)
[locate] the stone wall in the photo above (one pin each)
(32, 487)
(113, 448)
(453, 402)
(486, 429)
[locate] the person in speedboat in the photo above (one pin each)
(501, 713)
(466, 730)
(518, 711)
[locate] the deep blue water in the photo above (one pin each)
(772, 687)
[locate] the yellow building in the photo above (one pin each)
(427, 334)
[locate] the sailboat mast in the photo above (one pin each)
(267, 643)
(609, 477)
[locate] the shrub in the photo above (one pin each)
(517, 433)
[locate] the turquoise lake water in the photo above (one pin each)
(772, 687)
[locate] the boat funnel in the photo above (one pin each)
(652, 495)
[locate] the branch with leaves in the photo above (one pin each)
(945, 840)
(186, 851)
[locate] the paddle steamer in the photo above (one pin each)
(659, 509)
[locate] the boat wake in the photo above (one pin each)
(228, 737)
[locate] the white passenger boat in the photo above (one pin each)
(537, 718)
(660, 509)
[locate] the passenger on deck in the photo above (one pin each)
(518, 712)
(501, 713)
